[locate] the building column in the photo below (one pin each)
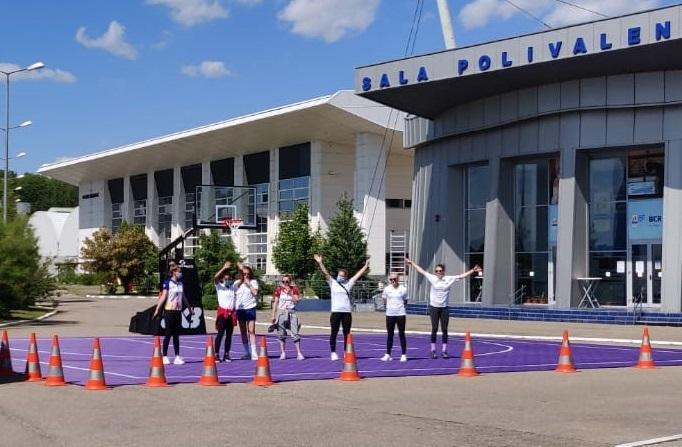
(453, 225)
(178, 204)
(127, 207)
(572, 231)
(369, 198)
(498, 254)
(671, 282)
(315, 184)
(152, 205)
(273, 209)
(240, 180)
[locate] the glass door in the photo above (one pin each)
(644, 273)
(657, 272)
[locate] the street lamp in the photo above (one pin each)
(34, 66)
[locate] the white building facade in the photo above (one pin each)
(314, 152)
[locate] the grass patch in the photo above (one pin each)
(25, 314)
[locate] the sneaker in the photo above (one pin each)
(334, 357)
(226, 358)
(217, 358)
(246, 357)
(434, 355)
(445, 355)
(386, 358)
(254, 356)
(165, 360)
(403, 358)
(178, 360)
(283, 356)
(300, 357)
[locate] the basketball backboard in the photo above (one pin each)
(216, 204)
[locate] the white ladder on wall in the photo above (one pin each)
(397, 253)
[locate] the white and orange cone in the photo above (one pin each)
(467, 368)
(209, 376)
(96, 375)
(350, 362)
(262, 376)
(55, 372)
(33, 373)
(157, 372)
(5, 357)
(646, 354)
(565, 364)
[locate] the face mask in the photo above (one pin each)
(179, 275)
(227, 283)
(341, 279)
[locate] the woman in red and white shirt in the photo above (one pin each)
(284, 315)
(226, 316)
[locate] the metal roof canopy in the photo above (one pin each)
(430, 99)
(334, 118)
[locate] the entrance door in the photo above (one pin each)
(644, 273)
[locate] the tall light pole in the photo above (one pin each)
(34, 66)
(446, 24)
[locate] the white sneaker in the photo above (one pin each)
(334, 357)
(178, 360)
(386, 358)
(165, 360)
(300, 357)
(254, 356)
(283, 356)
(403, 358)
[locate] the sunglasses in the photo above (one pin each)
(393, 279)
(286, 281)
(440, 271)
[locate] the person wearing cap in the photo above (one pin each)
(284, 315)
(439, 298)
(395, 299)
(172, 298)
(341, 315)
(226, 315)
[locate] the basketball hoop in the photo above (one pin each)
(233, 224)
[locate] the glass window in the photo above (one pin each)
(534, 184)
(476, 195)
(607, 180)
(645, 175)
(116, 216)
(165, 219)
(292, 192)
(190, 200)
(257, 250)
(608, 226)
(612, 288)
(140, 212)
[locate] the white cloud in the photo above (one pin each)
(193, 12)
(113, 41)
(164, 40)
(207, 69)
(479, 13)
(52, 74)
(329, 19)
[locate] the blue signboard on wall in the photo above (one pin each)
(645, 219)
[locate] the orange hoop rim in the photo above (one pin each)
(233, 224)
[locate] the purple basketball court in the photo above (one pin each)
(127, 359)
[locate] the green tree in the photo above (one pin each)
(344, 246)
(295, 245)
(212, 253)
(24, 276)
(43, 192)
(127, 256)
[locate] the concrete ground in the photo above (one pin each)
(590, 408)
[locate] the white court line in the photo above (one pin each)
(136, 357)
(513, 337)
(652, 441)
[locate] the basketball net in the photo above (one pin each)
(233, 225)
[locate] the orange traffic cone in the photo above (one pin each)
(55, 372)
(157, 373)
(565, 364)
(646, 357)
(96, 375)
(5, 357)
(350, 363)
(262, 377)
(33, 373)
(209, 377)
(466, 366)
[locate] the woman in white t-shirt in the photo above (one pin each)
(226, 315)
(341, 307)
(395, 298)
(246, 295)
(439, 297)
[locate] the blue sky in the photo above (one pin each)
(123, 71)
